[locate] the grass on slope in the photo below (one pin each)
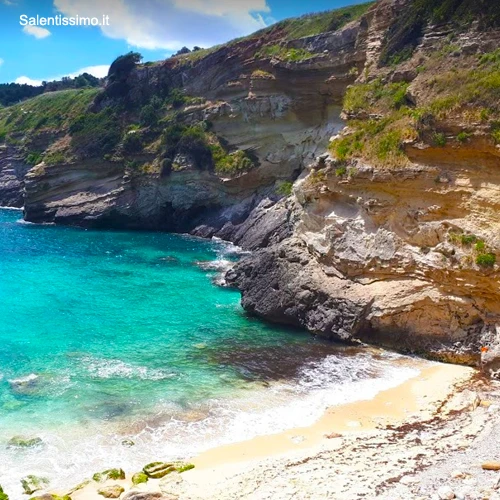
(291, 29)
(52, 110)
(403, 35)
(466, 91)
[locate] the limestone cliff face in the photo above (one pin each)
(394, 254)
(283, 113)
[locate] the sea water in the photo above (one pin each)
(120, 348)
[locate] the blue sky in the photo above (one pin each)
(155, 28)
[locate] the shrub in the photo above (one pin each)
(230, 164)
(54, 158)
(33, 158)
(149, 115)
(95, 134)
(341, 171)
(439, 139)
(132, 142)
(480, 246)
(176, 98)
(486, 260)
(468, 239)
(463, 137)
(285, 188)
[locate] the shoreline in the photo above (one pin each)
(221, 468)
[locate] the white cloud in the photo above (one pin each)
(28, 81)
(36, 31)
(170, 24)
(99, 71)
(1, 61)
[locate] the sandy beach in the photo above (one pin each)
(392, 446)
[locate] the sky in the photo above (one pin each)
(31, 51)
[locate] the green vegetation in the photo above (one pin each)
(313, 24)
(184, 467)
(230, 163)
(114, 474)
(468, 239)
(375, 95)
(33, 158)
(139, 477)
(463, 137)
(54, 110)
(32, 483)
(264, 75)
(404, 34)
(12, 93)
(284, 53)
(3, 496)
(203, 148)
(54, 158)
(486, 260)
(95, 134)
(439, 139)
(285, 188)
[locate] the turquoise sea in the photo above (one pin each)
(120, 348)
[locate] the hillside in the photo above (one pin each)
(355, 151)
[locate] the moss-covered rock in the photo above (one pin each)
(157, 470)
(139, 477)
(113, 491)
(50, 496)
(3, 495)
(34, 483)
(115, 474)
(24, 442)
(183, 467)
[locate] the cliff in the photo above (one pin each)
(389, 234)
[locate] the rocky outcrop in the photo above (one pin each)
(13, 169)
(382, 256)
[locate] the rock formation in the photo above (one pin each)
(391, 239)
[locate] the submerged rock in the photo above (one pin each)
(113, 491)
(34, 483)
(115, 474)
(24, 442)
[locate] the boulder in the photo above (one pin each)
(491, 466)
(139, 477)
(113, 491)
(34, 483)
(24, 442)
(157, 470)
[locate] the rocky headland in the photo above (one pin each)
(356, 154)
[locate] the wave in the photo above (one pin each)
(179, 432)
(11, 208)
(114, 368)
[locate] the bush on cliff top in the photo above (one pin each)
(95, 134)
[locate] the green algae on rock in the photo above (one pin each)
(100, 477)
(33, 483)
(139, 477)
(24, 442)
